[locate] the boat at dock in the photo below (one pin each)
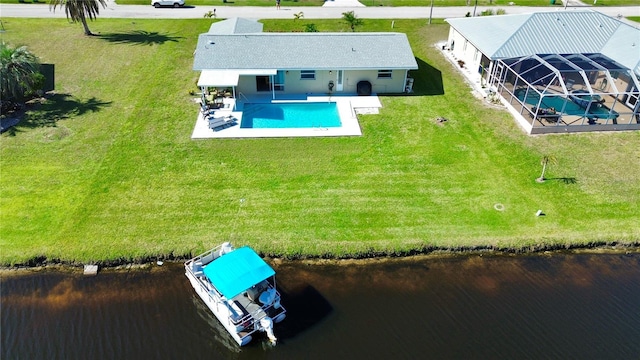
(239, 287)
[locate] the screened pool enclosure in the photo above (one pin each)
(573, 92)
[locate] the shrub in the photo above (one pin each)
(310, 28)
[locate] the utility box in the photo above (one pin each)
(49, 73)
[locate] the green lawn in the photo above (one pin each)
(105, 169)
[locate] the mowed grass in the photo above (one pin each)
(106, 170)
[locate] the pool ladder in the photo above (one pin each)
(241, 95)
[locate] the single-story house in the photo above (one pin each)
(560, 71)
(237, 55)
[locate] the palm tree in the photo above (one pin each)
(18, 69)
(211, 14)
(351, 19)
(545, 161)
(79, 10)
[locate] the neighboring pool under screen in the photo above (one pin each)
(290, 115)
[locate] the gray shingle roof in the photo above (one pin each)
(236, 26)
(313, 51)
(561, 32)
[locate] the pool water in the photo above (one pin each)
(290, 115)
(570, 107)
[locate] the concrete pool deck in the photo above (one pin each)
(348, 107)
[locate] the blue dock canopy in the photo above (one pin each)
(237, 271)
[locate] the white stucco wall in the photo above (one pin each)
(293, 84)
(464, 50)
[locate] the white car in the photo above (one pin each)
(174, 3)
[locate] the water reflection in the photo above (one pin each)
(560, 306)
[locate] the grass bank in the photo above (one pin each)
(105, 170)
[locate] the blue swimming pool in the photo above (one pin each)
(290, 115)
(570, 105)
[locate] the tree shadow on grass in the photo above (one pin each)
(55, 108)
(566, 180)
(139, 37)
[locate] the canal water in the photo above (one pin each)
(472, 307)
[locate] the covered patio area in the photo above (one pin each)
(568, 93)
(220, 87)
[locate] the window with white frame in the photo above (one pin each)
(384, 74)
(307, 74)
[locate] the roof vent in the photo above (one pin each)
(211, 42)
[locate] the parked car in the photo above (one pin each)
(174, 3)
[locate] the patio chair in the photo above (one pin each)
(220, 122)
(550, 115)
(206, 111)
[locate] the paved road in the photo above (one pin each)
(325, 12)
